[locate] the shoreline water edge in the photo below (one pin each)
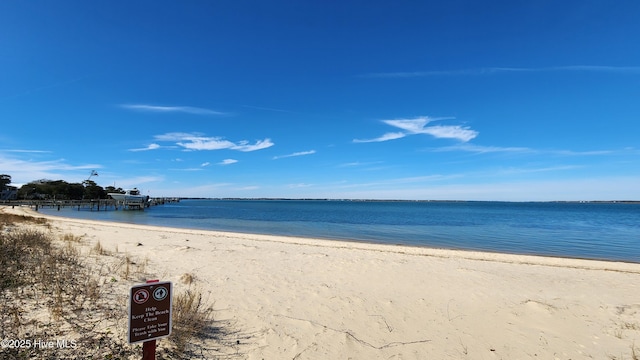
(421, 250)
(599, 231)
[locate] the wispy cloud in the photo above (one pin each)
(419, 126)
(205, 164)
(301, 153)
(384, 137)
(268, 109)
(450, 132)
(199, 142)
(16, 165)
(172, 109)
(481, 149)
(149, 147)
(583, 153)
(595, 68)
(259, 145)
(27, 151)
(498, 70)
(512, 171)
(359, 164)
(597, 188)
(228, 162)
(298, 186)
(23, 171)
(403, 181)
(187, 169)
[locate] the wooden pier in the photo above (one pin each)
(91, 205)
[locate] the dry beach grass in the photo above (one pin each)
(64, 299)
(292, 298)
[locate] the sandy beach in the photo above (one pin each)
(299, 298)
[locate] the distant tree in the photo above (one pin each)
(58, 189)
(76, 191)
(30, 191)
(61, 190)
(93, 191)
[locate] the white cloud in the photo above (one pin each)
(385, 137)
(187, 169)
(480, 149)
(427, 180)
(197, 141)
(301, 153)
(419, 126)
(268, 109)
(516, 171)
(584, 153)
(359, 164)
(205, 164)
(351, 164)
(176, 136)
(24, 171)
(150, 147)
(214, 143)
(450, 132)
(300, 185)
(172, 109)
(228, 162)
(448, 188)
(413, 126)
(497, 70)
(259, 145)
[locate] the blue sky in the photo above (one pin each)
(462, 100)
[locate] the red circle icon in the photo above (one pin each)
(141, 296)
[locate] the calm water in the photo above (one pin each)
(596, 231)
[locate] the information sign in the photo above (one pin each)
(150, 311)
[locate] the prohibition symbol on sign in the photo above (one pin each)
(141, 296)
(160, 293)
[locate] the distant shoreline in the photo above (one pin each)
(633, 202)
(420, 201)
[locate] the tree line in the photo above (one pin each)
(45, 189)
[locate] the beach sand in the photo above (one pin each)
(298, 298)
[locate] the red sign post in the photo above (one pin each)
(150, 314)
